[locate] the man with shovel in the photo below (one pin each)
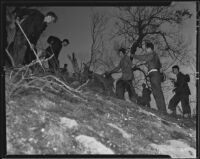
(30, 25)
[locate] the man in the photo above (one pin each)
(54, 48)
(33, 23)
(64, 69)
(146, 96)
(182, 93)
(125, 82)
(153, 65)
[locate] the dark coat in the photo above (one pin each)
(146, 94)
(56, 45)
(181, 86)
(33, 24)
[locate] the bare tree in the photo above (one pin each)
(75, 65)
(97, 27)
(141, 23)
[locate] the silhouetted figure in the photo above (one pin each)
(125, 82)
(153, 65)
(182, 93)
(146, 96)
(64, 69)
(33, 23)
(54, 48)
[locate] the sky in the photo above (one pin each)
(74, 24)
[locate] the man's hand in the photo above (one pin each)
(172, 80)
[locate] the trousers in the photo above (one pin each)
(184, 99)
(155, 80)
(122, 86)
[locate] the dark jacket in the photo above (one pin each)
(33, 23)
(181, 86)
(152, 60)
(56, 45)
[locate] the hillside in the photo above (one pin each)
(47, 116)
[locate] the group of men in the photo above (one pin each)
(153, 64)
(30, 24)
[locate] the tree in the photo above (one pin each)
(137, 24)
(75, 65)
(97, 28)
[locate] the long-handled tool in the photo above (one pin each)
(18, 23)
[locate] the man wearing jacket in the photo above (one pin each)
(33, 23)
(182, 93)
(54, 48)
(153, 65)
(125, 82)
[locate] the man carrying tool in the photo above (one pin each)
(125, 82)
(154, 65)
(30, 25)
(54, 48)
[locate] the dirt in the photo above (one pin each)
(88, 122)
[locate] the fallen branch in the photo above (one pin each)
(11, 59)
(82, 85)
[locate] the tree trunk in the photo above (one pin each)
(75, 66)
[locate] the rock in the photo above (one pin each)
(75, 84)
(79, 122)
(124, 133)
(176, 149)
(92, 146)
(68, 123)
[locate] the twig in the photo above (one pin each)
(82, 85)
(11, 59)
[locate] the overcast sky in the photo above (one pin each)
(74, 23)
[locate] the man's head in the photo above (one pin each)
(65, 42)
(50, 17)
(122, 52)
(143, 85)
(175, 69)
(148, 46)
(65, 65)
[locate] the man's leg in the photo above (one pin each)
(157, 91)
(51, 63)
(120, 89)
(131, 91)
(19, 48)
(173, 103)
(185, 105)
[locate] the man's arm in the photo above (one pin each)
(143, 57)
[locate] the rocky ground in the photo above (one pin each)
(84, 121)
